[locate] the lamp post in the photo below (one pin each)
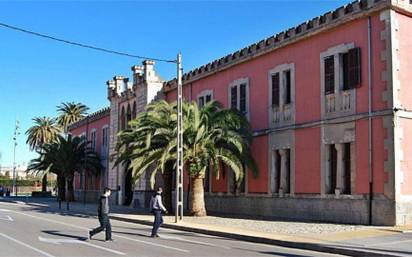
(16, 133)
(179, 166)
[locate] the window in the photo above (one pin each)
(104, 151)
(276, 171)
(339, 166)
(275, 90)
(93, 139)
(204, 97)
(287, 83)
(349, 73)
(332, 160)
(242, 101)
(233, 98)
(329, 75)
(281, 173)
(281, 85)
(239, 95)
(351, 69)
(346, 170)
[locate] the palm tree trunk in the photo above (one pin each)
(197, 205)
(44, 184)
(70, 189)
(61, 187)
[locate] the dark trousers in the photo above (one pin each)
(104, 225)
(158, 220)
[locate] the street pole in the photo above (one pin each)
(179, 166)
(16, 133)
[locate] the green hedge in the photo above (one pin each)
(29, 183)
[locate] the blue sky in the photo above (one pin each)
(36, 74)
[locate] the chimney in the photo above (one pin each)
(120, 84)
(148, 69)
(111, 88)
(137, 73)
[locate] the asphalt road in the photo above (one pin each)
(30, 231)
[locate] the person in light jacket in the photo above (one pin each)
(103, 214)
(157, 207)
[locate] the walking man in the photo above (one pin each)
(103, 214)
(157, 207)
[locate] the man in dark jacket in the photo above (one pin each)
(103, 214)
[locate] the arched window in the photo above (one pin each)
(128, 115)
(134, 114)
(122, 119)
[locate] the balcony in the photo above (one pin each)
(342, 102)
(282, 115)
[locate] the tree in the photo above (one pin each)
(70, 112)
(212, 136)
(44, 163)
(65, 157)
(44, 131)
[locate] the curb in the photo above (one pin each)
(263, 240)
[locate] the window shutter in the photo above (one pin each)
(275, 90)
(233, 97)
(242, 102)
(208, 98)
(201, 101)
(354, 68)
(287, 87)
(329, 63)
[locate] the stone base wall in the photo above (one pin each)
(350, 211)
(404, 213)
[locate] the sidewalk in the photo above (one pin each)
(352, 240)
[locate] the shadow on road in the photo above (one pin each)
(59, 233)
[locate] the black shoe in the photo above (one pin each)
(90, 235)
(157, 235)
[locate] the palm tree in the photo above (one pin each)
(43, 164)
(212, 136)
(65, 157)
(44, 131)
(70, 112)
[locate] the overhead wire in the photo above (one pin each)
(101, 49)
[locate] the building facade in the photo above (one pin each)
(328, 101)
(95, 128)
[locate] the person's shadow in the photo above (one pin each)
(58, 233)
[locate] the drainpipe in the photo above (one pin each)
(370, 168)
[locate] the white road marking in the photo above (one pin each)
(26, 245)
(150, 243)
(75, 241)
(83, 228)
(193, 241)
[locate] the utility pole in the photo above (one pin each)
(16, 133)
(179, 166)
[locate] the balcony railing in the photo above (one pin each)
(342, 101)
(282, 114)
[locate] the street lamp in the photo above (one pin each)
(16, 133)
(179, 166)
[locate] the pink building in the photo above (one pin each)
(329, 104)
(96, 126)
